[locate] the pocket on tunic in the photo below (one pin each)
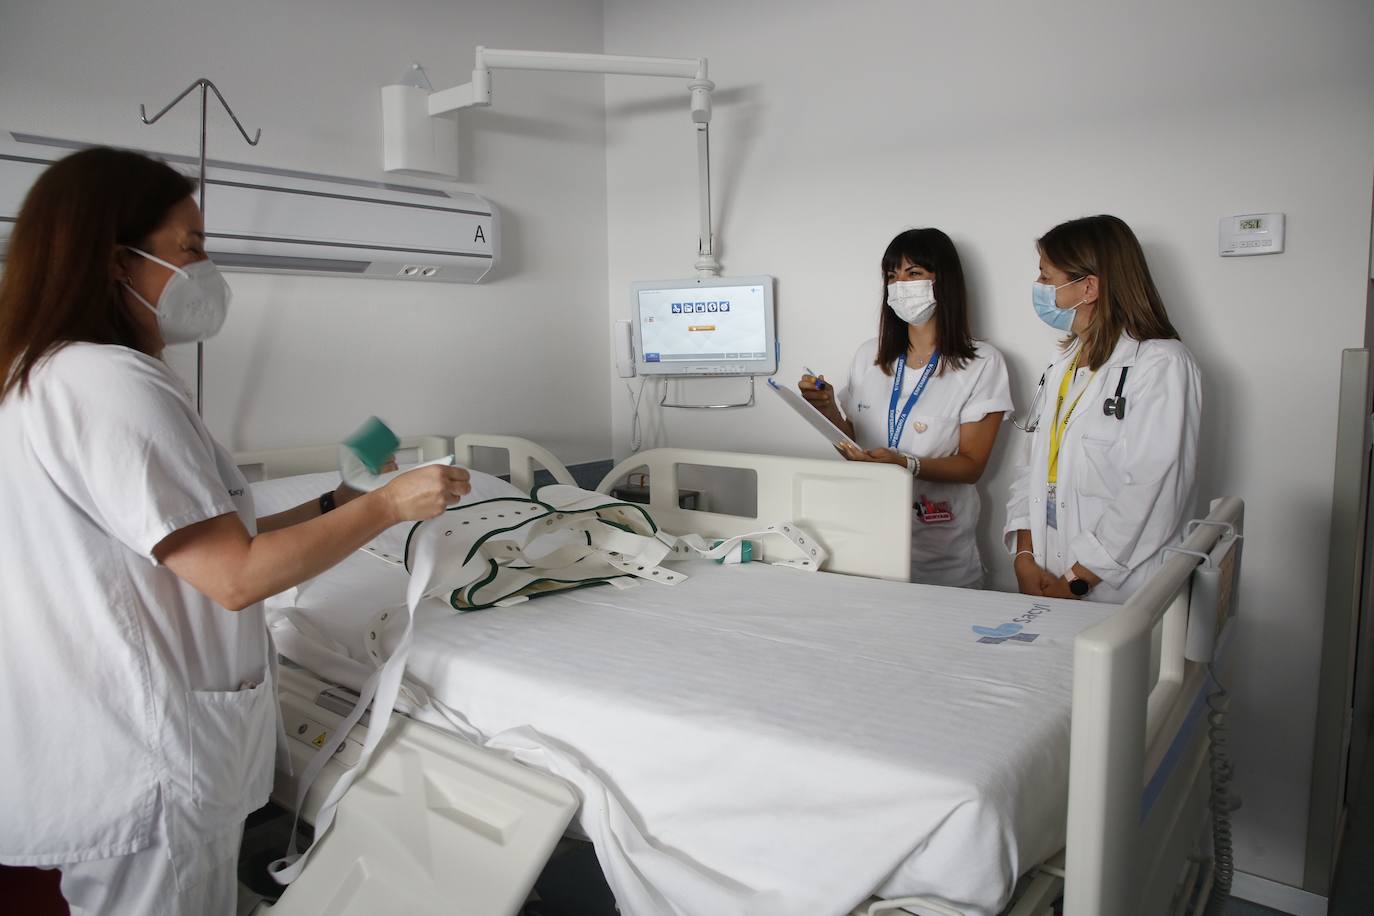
(233, 739)
(1096, 475)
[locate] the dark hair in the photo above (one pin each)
(933, 250)
(1127, 300)
(59, 284)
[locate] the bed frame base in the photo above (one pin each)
(434, 826)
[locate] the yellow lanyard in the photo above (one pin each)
(1058, 430)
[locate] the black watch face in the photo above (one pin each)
(1079, 587)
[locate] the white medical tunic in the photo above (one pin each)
(1125, 487)
(128, 700)
(942, 552)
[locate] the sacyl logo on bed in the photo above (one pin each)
(1011, 629)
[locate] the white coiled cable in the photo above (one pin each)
(635, 397)
(1220, 802)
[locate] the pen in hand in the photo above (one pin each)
(820, 382)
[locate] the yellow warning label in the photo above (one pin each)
(320, 739)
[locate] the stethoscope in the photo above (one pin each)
(1114, 406)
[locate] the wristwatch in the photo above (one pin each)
(1079, 587)
(913, 464)
(326, 501)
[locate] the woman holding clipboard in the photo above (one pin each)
(925, 395)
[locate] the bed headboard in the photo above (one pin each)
(860, 512)
(525, 457)
(285, 462)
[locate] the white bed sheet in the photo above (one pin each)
(765, 741)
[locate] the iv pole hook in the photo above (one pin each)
(202, 84)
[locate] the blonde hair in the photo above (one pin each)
(1127, 300)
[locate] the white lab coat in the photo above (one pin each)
(942, 553)
(135, 711)
(1126, 487)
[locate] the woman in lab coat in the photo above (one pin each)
(924, 395)
(136, 687)
(1108, 474)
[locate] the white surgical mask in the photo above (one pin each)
(912, 300)
(193, 304)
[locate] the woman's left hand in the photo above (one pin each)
(1059, 588)
(875, 455)
(343, 493)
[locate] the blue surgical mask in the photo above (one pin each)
(1047, 307)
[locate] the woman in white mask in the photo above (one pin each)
(924, 395)
(1108, 475)
(136, 686)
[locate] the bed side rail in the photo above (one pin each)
(1124, 728)
(861, 513)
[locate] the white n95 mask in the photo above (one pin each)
(193, 304)
(912, 300)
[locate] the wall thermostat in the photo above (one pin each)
(1250, 233)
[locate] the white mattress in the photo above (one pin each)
(765, 741)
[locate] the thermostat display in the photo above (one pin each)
(1250, 233)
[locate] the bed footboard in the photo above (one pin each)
(1137, 763)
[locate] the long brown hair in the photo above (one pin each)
(1127, 300)
(59, 284)
(933, 250)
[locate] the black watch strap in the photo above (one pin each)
(1079, 587)
(326, 501)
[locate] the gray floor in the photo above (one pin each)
(1352, 892)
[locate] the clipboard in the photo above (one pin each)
(812, 416)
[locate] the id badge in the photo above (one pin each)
(1051, 508)
(932, 513)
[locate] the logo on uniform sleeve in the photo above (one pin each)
(236, 493)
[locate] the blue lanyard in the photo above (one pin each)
(897, 422)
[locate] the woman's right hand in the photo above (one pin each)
(426, 492)
(1031, 577)
(821, 395)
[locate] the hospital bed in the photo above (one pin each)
(1113, 819)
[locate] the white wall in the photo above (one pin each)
(304, 360)
(839, 124)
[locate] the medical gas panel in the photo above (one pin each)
(278, 221)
